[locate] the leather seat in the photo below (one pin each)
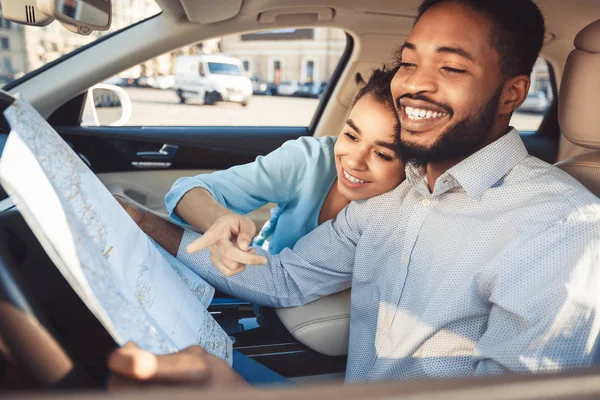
(323, 325)
(579, 107)
(579, 111)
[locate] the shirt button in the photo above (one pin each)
(406, 260)
(426, 202)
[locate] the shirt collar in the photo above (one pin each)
(478, 172)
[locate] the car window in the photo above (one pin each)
(528, 118)
(272, 78)
(217, 68)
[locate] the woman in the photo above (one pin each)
(310, 179)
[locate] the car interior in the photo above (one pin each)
(51, 341)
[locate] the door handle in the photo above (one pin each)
(166, 152)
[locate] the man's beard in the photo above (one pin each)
(459, 141)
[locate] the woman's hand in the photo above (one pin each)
(228, 240)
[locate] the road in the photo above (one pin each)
(153, 107)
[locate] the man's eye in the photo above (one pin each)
(350, 136)
(455, 70)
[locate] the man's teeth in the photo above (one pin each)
(352, 179)
(417, 113)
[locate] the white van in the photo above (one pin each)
(211, 79)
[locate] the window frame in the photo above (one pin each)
(304, 71)
(271, 72)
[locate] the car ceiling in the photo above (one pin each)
(564, 18)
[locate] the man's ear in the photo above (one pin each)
(514, 94)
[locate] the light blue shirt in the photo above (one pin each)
(297, 177)
(497, 270)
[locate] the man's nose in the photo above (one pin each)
(419, 80)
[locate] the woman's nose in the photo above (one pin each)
(356, 160)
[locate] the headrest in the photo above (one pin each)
(579, 99)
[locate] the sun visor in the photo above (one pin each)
(208, 12)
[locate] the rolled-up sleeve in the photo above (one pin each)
(321, 263)
(276, 177)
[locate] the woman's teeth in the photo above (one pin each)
(417, 113)
(351, 178)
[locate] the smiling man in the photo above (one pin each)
(485, 260)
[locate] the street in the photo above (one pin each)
(154, 107)
(161, 107)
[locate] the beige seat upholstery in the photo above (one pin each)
(579, 107)
(323, 325)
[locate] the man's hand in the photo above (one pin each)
(135, 211)
(132, 366)
(164, 232)
(228, 240)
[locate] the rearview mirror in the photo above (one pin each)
(79, 16)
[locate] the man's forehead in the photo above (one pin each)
(451, 25)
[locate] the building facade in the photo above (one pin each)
(301, 55)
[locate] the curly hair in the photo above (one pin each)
(517, 30)
(379, 87)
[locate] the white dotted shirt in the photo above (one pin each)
(497, 270)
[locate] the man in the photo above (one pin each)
(482, 262)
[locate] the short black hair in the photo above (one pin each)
(379, 87)
(517, 30)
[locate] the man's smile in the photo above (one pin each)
(420, 116)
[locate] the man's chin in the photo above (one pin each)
(422, 140)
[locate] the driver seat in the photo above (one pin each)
(579, 113)
(579, 107)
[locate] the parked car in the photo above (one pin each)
(164, 82)
(536, 102)
(145, 82)
(258, 87)
(287, 88)
(115, 80)
(211, 79)
(310, 89)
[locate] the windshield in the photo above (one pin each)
(24, 49)
(224, 69)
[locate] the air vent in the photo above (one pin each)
(30, 13)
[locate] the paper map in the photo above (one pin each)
(137, 290)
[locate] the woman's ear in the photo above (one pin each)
(514, 94)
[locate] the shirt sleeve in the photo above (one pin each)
(321, 263)
(544, 303)
(275, 178)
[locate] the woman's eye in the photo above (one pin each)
(455, 70)
(384, 156)
(406, 65)
(350, 136)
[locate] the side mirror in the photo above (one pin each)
(79, 16)
(106, 105)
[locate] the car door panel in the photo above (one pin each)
(120, 149)
(150, 187)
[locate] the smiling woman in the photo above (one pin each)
(310, 180)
